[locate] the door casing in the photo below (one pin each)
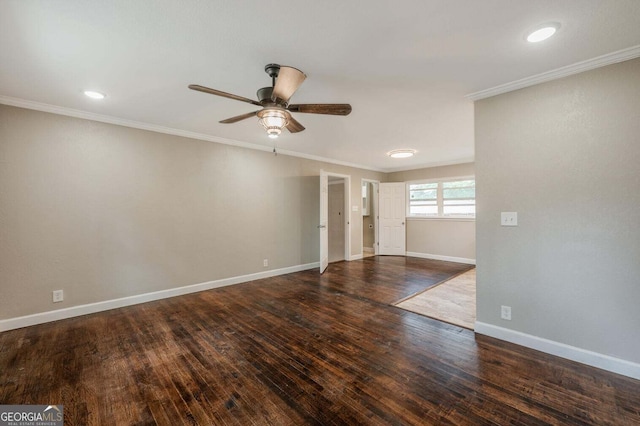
(324, 215)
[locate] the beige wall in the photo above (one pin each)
(565, 155)
(455, 170)
(447, 238)
(104, 211)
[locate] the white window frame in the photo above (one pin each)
(440, 198)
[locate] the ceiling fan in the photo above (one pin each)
(275, 114)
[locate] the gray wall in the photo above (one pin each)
(565, 155)
(104, 211)
(440, 237)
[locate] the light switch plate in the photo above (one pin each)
(509, 219)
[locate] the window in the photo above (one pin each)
(444, 198)
(423, 199)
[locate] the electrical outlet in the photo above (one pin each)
(505, 312)
(58, 296)
(509, 218)
(265, 263)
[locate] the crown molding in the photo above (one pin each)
(70, 112)
(578, 67)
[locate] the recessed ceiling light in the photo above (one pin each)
(401, 153)
(543, 32)
(94, 95)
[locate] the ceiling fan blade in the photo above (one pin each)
(223, 94)
(239, 117)
(332, 109)
(293, 125)
(288, 81)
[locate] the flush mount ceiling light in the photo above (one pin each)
(94, 95)
(401, 153)
(273, 119)
(543, 32)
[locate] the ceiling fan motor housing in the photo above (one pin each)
(264, 95)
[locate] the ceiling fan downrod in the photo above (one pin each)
(272, 70)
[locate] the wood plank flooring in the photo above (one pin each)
(453, 301)
(301, 349)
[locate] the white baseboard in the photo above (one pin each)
(74, 311)
(594, 359)
(356, 257)
(368, 250)
(439, 257)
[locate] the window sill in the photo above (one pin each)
(446, 219)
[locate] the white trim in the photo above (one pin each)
(368, 250)
(589, 64)
(347, 206)
(440, 257)
(74, 311)
(70, 112)
(442, 218)
(594, 359)
(356, 257)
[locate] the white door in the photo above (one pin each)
(324, 209)
(392, 218)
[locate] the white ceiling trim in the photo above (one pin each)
(590, 64)
(70, 112)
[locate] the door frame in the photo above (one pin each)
(347, 216)
(373, 201)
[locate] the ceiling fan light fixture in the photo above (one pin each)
(401, 153)
(273, 120)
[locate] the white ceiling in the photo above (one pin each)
(404, 66)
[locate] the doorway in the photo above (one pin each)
(369, 217)
(336, 219)
(335, 227)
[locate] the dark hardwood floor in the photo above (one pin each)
(301, 349)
